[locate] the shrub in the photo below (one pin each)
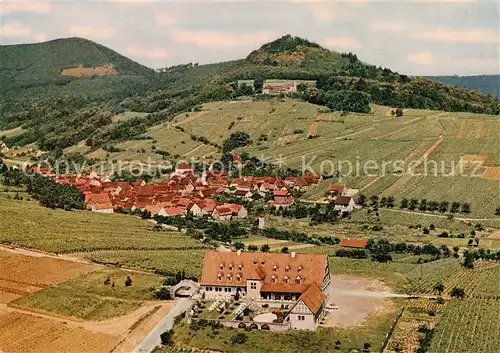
(239, 338)
(166, 338)
(128, 281)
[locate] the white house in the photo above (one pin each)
(344, 203)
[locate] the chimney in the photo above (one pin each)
(238, 252)
(292, 254)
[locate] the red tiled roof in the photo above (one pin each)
(174, 211)
(353, 243)
(313, 298)
(313, 269)
(336, 187)
(223, 211)
(281, 193)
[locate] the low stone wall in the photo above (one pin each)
(273, 326)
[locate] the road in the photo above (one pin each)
(153, 338)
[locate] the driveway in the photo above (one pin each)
(153, 338)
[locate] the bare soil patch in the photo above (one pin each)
(26, 333)
(495, 235)
(100, 70)
(356, 298)
(481, 130)
(23, 275)
(190, 118)
(463, 126)
(313, 129)
(491, 173)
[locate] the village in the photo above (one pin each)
(184, 191)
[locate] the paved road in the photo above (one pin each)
(153, 338)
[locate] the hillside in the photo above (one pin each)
(60, 111)
(29, 65)
(486, 84)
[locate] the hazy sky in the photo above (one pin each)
(412, 37)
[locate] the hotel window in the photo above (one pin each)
(274, 279)
(285, 280)
(301, 317)
(298, 280)
(275, 268)
(253, 285)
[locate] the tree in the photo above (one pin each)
(439, 287)
(258, 83)
(399, 112)
(404, 203)
(239, 245)
(284, 250)
(253, 248)
(455, 207)
(166, 338)
(128, 281)
(265, 248)
(476, 240)
(164, 294)
(497, 211)
(465, 207)
(457, 292)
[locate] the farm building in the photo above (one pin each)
(353, 243)
(274, 279)
(344, 204)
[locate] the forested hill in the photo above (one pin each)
(57, 110)
(486, 84)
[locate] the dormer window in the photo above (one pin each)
(262, 262)
(298, 280)
(275, 268)
(285, 280)
(230, 267)
(287, 268)
(274, 279)
(240, 267)
(219, 276)
(300, 269)
(255, 261)
(238, 277)
(229, 275)
(221, 267)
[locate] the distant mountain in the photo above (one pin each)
(486, 84)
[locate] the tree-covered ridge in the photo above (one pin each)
(486, 84)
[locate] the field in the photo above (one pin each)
(88, 298)
(48, 336)
(29, 225)
(166, 262)
(23, 275)
(279, 130)
(468, 325)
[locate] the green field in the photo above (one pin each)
(87, 297)
(279, 129)
(323, 340)
(27, 224)
(166, 262)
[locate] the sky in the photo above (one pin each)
(420, 37)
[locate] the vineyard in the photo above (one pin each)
(418, 313)
(468, 325)
(482, 281)
(176, 349)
